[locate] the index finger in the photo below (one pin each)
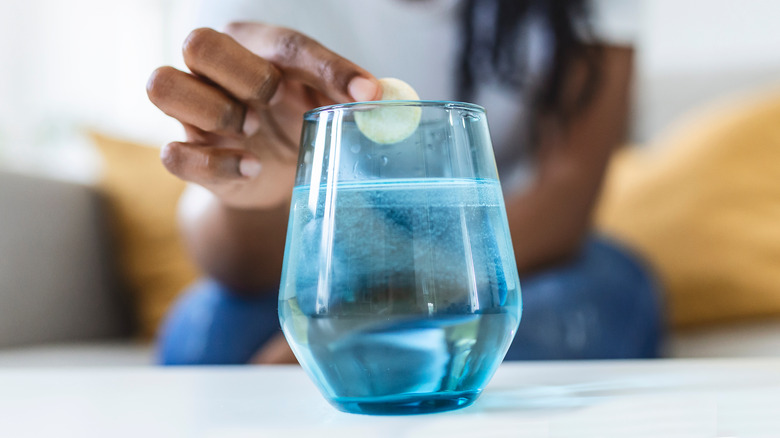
(308, 61)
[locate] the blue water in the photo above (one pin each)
(400, 296)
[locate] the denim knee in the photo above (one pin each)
(210, 324)
(605, 304)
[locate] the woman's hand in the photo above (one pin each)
(241, 108)
(242, 105)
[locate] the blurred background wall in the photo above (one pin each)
(81, 63)
(691, 51)
(692, 36)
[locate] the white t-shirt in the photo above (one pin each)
(418, 41)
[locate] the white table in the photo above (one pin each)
(665, 398)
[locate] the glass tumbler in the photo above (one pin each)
(399, 291)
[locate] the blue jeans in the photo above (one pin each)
(602, 305)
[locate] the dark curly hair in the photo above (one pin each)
(495, 48)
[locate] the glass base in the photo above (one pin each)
(406, 404)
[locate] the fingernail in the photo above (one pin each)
(249, 167)
(362, 89)
(165, 151)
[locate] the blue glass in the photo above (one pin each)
(399, 290)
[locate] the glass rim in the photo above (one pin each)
(448, 104)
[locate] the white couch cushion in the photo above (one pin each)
(102, 354)
(748, 339)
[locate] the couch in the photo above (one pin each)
(62, 303)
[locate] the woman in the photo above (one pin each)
(554, 80)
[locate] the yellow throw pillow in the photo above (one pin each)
(703, 206)
(142, 198)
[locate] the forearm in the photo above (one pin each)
(549, 220)
(241, 248)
